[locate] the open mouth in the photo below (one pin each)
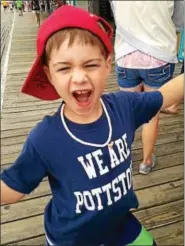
(82, 97)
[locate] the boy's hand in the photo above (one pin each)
(173, 91)
(9, 195)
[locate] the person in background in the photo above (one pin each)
(48, 6)
(11, 6)
(5, 5)
(59, 3)
(36, 9)
(19, 5)
(23, 6)
(42, 5)
(29, 6)
(15, 5)
(146, 53)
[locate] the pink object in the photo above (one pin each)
(140, 60)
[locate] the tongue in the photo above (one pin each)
(82, 97)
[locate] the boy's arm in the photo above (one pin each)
(143, 106)
(173, 91)
(9, 195)
(24, 175)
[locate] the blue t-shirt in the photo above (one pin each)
(91, 187)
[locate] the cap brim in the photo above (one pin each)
(37, 83)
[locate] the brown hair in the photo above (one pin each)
(83, 36)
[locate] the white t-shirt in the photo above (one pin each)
(147, 26)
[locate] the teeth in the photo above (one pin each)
(81, 92)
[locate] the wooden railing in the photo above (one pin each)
(5, 31)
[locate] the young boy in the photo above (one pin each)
(85, 147)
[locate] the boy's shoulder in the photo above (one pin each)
(44, 129)
(118, 97)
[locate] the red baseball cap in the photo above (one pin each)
(37, 83)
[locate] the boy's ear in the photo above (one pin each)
(47, 72)
(109, 62)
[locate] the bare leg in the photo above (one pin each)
(149, 136)
(38, 19)
(172, 109)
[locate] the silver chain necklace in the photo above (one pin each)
(107, 143)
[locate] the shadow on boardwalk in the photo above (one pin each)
(160, 193)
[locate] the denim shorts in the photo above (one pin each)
(154, 77)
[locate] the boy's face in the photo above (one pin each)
(79, 75)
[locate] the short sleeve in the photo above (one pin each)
(144, 106)
(27, 171)
(178, 15)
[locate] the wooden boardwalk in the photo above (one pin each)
(161, 193)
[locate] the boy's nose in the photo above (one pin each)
(79, 76)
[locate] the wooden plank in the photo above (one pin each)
(170, 129)
(36, 206)
(174, 120)
(24, 36)
(32, 106)
(164, 149)
(18, 64)
(169, 116)
(27, 116)
(21, 58)
(19, 125)
(22, 229)
(162, 215)
(157, 177)
(161, 194)
(170, 234)
(163, 161)
(36, 241)
(19, 101)
(15, 132)
(25, 49)
(162, 139)
(30, 39)
(33, 226)
(23, 209)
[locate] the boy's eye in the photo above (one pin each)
(63, 69)
(92, 65)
